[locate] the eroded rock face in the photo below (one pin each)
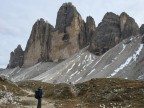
(128, 26)
(90, 28)
(141, 29)
(38, 45)
(16, 58)
(69, 35)
(112, 30)
(107, 34)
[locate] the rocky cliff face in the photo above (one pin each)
(69, 36)
(38, 45)
(112, 30)
(128, 26)
(16, 58)
(141, 29)
(90, 29)
(107, 34)
(55, 44)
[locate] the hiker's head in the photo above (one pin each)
(40, 87)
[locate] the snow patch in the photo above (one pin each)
(79, 64)
(70, 68)
(131, 38)
(141, 77)
(106, 66)
(83, 62)
(74, 73)
(138, 52)
(89, 63)
(133, 57)
(78, 79)
(124, 46)
(91, 71)
(85, 56)
(84, 67)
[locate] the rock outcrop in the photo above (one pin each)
(141, 32)
(54, 44)
(69, 35)
(128, 26)
(107, 34)
(90, 29)
(112, 30)
(141, 29)
(38, 45)
(16, 58)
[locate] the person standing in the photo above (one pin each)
(38, 96)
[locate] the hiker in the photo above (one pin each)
(38, 95)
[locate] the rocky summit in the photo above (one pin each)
(69, 35)
(112, 30)
(38, 45)
(16, 58)
(128, 26)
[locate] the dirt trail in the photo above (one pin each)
(31, 102)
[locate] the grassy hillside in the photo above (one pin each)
(109, 92)
(6, 85)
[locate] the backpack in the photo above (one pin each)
(36, 94)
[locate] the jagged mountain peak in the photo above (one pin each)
(128, 26)
(16, 57)
(38, 44)
(124, 14)
(90, 20)
(65, 15)
(19, 47)
(110, 16)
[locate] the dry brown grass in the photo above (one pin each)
(33, 85)
(110, 92)
(11, 87)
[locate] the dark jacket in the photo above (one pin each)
(39, 93)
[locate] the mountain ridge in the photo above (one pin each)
(72, 33)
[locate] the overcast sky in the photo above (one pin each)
(18, 16)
